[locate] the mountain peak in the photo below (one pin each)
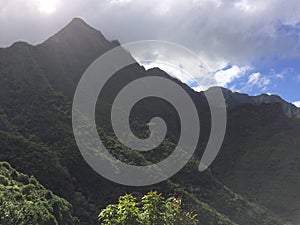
(77, 20)
(78, 23)
(78, 32)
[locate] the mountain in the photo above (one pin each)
(260, 157)
(67, 54)
(36, 137)
(234, 99)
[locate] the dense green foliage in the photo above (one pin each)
(153, 209)
(24, 201)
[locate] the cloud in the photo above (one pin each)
(234, 32)
(279, 75)
(258, 80)
(226, 76)
(175, 60)
(297, 104)
(210, 29)
(282, 74)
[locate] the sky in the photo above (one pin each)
(249, 46)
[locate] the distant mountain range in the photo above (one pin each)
(234, 99)
(254, 180)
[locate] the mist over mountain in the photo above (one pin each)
(254, 180)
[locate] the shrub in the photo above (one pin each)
(5, 165)
(153, 209)
(3, 180)
(23, 178)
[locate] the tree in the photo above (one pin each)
(153, 209)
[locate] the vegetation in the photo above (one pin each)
(153, 209)
(24, 201)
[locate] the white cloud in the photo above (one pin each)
(226, 76)
(213, 3)
(47, 6)
(297, 104)
(250, 6)
(254, 78)
(279, 75)
(258, 80)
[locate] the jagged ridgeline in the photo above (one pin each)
(37, 84)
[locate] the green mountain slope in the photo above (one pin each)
(260, 158)
(88, 192)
